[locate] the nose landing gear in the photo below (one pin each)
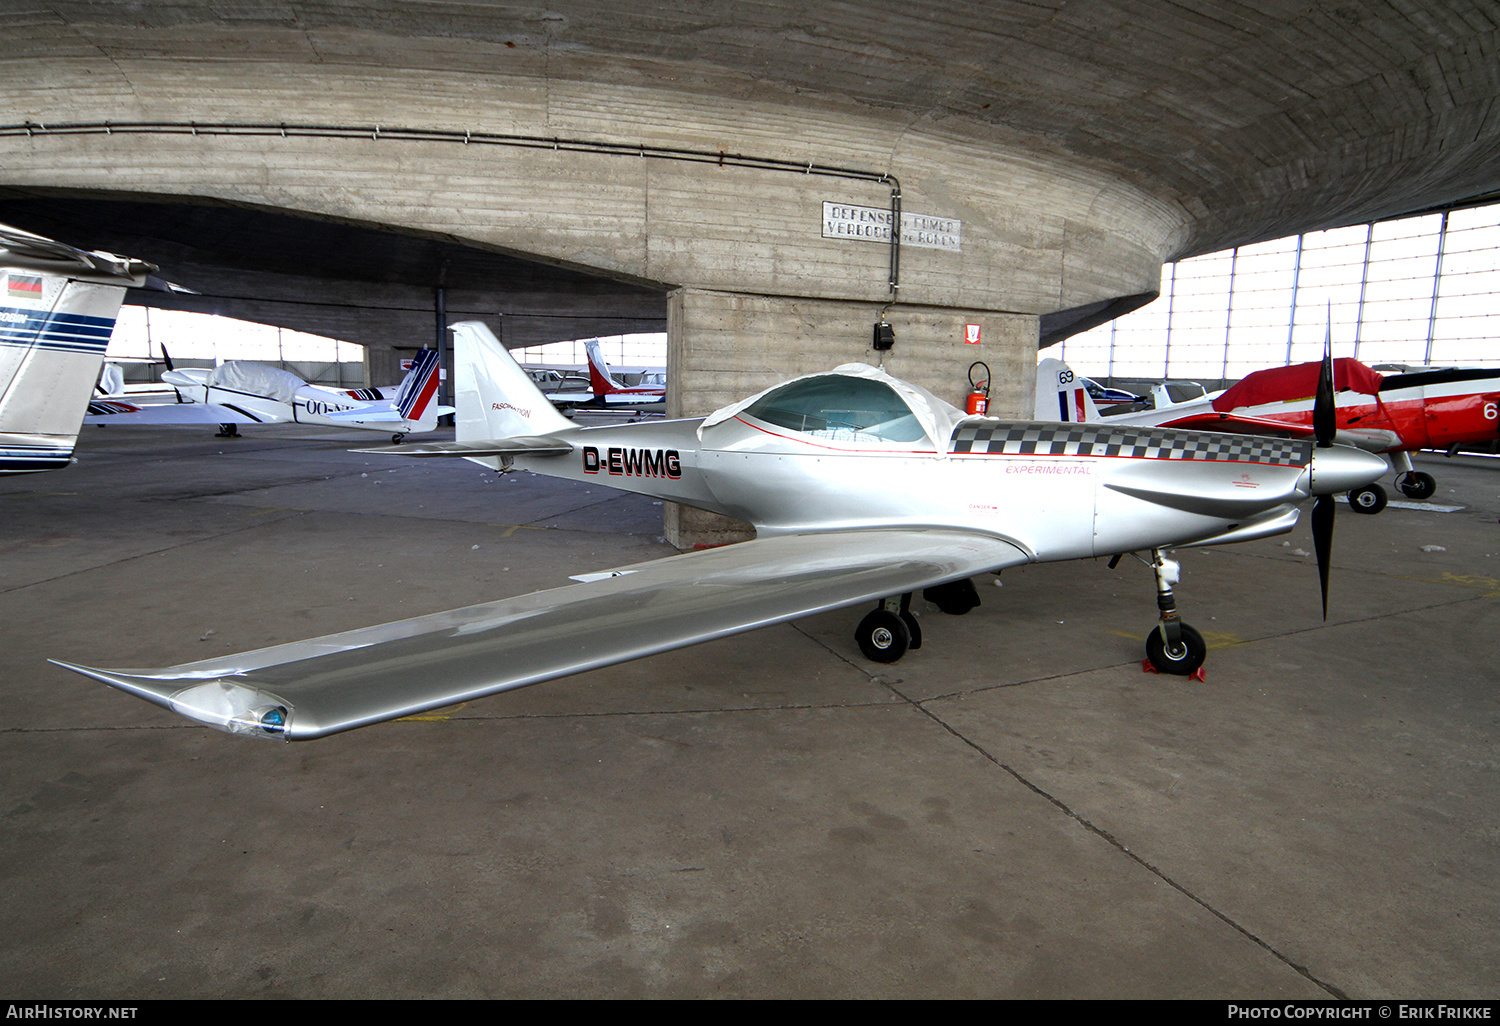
(1173, 647)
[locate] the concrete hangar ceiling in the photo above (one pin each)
(362, 284)
(730, 165)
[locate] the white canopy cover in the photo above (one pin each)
(256, 379)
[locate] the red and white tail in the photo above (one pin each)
(414, 400)
(600, 379)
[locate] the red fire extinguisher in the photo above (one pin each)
(979, 392)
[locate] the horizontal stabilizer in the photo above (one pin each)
(522, 446)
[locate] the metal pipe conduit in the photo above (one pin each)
(377, 133)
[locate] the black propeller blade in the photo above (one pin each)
(1325, 426)
(1322, 530)
(167, 359)
(1325, 416)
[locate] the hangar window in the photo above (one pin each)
(840, 408)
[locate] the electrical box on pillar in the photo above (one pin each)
(978, 402)
(885, 337)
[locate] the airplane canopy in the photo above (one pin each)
(256, 379)
(853, 403)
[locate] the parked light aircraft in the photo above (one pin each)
(609, 392)
(57, 313)
(861, 488)
(241, 392)
(1390, 414)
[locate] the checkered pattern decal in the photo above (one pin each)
(1000, 437)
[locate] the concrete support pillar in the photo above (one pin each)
(724, 346)
(382, 366)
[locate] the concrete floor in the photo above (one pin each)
(1015, 810)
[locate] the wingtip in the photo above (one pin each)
(225, 705)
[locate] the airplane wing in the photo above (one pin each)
(1211, 420)
(309, 689)
(1369, 439)
(114, 411)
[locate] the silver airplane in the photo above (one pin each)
(861, 488)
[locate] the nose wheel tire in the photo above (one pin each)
(1369, 499)
(1183, 660)
(883, 636)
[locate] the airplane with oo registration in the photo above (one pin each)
(241, 392)
(862, 488)
(57, 313)
(1393, 415)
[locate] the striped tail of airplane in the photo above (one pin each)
(418, 389)
(58, 307)
(1061, 395)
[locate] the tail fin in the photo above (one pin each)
(57, 312)
(1060, 394)
(602, 381)
(414, 399)
(495, 397)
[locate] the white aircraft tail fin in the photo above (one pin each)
(111, 380)
(599, 376)
(495, 397)
(1060, 394)
(57, 312)
(415, 398)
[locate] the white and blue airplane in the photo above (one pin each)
(58, 307)
(242, 392)
(861, 487)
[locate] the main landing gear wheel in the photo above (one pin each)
(1369, 499)
(1417, 485)
(1184, 659)
(883, 636)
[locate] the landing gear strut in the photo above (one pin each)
(1412, 482)
(1417, 485)
(1174, 647)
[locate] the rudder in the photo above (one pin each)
(495, 398)
(1061, 395)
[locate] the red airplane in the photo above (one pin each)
(1389, 414)
(609, 392)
